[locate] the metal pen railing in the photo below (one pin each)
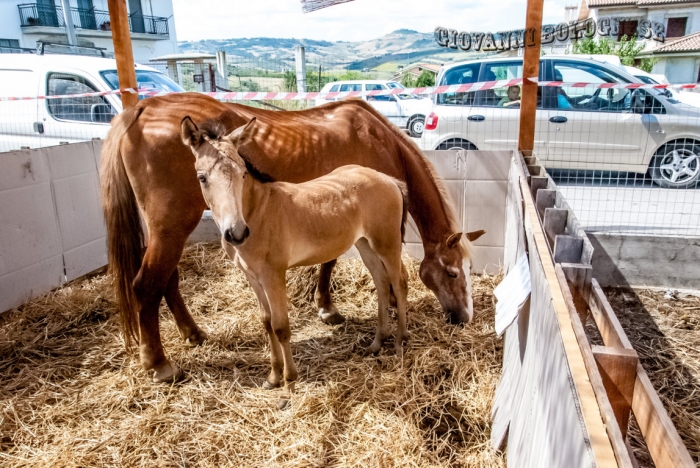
(35, 14)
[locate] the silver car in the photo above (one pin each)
(592, 127)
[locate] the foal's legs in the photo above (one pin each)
(397, 276)
(274, 284)
(324, 302)
(276, 359)
(381, 283)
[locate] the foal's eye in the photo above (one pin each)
(452, 274)
(202, 178)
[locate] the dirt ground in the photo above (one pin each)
(71, 396)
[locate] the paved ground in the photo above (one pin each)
(625, 203)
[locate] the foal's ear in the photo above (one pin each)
(242, 133)
(474, 235)
(190, 134)
(453, 239)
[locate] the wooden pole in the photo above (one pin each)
(121, 37)
(531, 66)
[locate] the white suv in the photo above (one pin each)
(633, 130)
(44, 122)
(406, 111)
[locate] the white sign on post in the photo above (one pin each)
(512, 293)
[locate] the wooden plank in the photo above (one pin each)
(617, 441)
(537, 183)
(554, 223)
(531, 67)
(535, 170)
(665, 445)
(601, 445)
(567, 249)
(606, 320)
(121, 37)
(545, 199)
(618, 369)
(579, 278)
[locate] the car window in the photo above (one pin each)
(145, 79)
(459, 75)
(386, 98)
(374, 87)
(351, 87)
(590, 98)
(646, 79)
(394, 85)
(500, 97)
(334, 89)
(78, 109)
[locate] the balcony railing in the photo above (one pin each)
(34, 14)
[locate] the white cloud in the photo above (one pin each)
(357, 20)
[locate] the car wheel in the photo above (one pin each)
(416, 126)
(456, 144)
(676, 165)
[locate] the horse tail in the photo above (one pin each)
(121, 214)
(404, 205)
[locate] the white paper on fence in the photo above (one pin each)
(511, 293)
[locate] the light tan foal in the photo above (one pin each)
(270, 227)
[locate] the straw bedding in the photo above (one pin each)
(71, 396)
(664, 328)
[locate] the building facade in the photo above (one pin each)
(680, 63)
(152, 26)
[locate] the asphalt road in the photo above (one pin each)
(629, 203)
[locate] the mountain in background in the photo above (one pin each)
(385, 53)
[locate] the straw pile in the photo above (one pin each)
(664, 328)
(71, 396)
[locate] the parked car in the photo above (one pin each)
(633, 130)
(44, 122)
(686, 96)
(406, 111)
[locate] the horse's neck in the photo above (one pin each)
(426, 203)
(255, 195)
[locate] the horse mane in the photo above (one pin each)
(430, 169)
(215, 130)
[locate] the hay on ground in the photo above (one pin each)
(71, 396)
(664, 329)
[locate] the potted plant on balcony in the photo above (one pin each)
(106, 26)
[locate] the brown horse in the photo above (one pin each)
(145, 165)
(270, 227)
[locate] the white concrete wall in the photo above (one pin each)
(678, 69)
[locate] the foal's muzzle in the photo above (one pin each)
(237, 234)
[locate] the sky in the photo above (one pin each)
(358, 20)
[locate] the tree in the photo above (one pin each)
(408, 81)
(425, 79)
(627, 50)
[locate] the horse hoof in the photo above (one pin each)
(399, 351)
(197, 338)
(371, 349)
(270, 386)
(282, 404)
(168, 373)
(330, 316)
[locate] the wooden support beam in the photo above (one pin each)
(538, 183)
(618, 369)
(545, 199)
(121, 37)
(554, 223)
(531, 67)
(534, 170)
(579, 278)
(665, 445)
(622, 455)
(567, 249)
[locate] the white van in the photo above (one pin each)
(44, 122)
(406, 111)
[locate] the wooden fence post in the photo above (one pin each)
(121, 37)
(531, 66)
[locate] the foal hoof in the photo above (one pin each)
(197, 338)
(330, 316)
(167, 373)
(270, 386)
(283, 403)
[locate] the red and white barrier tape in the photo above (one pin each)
(284, 96)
